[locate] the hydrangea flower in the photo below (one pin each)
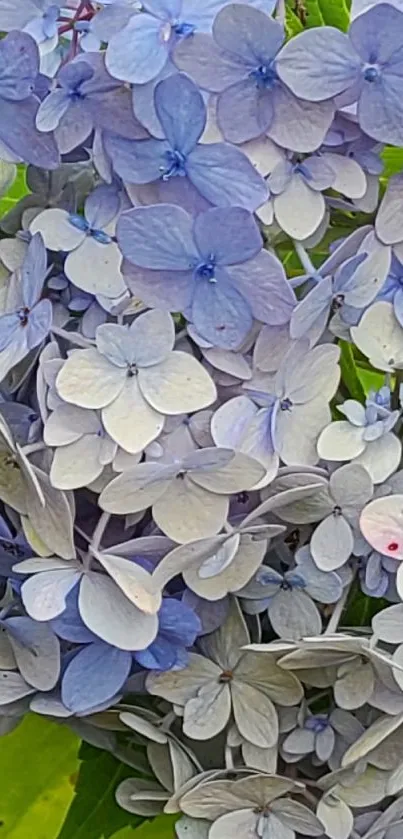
(263, 424)
(364, 65)
(289, 597)
(93, 261)
(220, 172)
(140, 379)
(365, 436)
(141, 49)
(87, 97)
(252, 806)
(189, 496)
(212, 268)
(27, 318)
(226, 678)
(19, 68)
(106, 602)
(239, 64)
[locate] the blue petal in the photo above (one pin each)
(244, 111)
(219, 312)
(137, 161)
(19, 133)
(160, 655)
(52, 109)
(380, 108)
(202, 15)
(69, 624)
(225, 176)
(181, 112)
(94, 676)
(39, 323)
(139, 52)
(318, 64)
(33, 271)
(228, 234)
(210, 67)
(9, 326)
(248, 33)
(164, 9)
(178, 622)
(19, 66)
(158, 237)
(102, 206)
(74, 74)
(378, 34)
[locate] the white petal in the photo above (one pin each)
(179, 385)
(231, 579)
(58, 233)
(44, 595)
(350, 178)
(297, 432)
(287, 209)
(242, 824)
(135, 582)
(136, 489)
(39, 663)
(381, 457)
(380, 337)
(89, 380)
(130, 420)
(293, 615)
(336, 817)
(95, 268)
(341, 441)
(68, 423)
(381, 524)
(188, 511)
(233, 363)
(255, 714)
(78, 464)
(230, 423)
(241, 473)
(13, 687)
(332, 543)
(179, 686)
(355, 688)
(108, 613)
(208, 713)
(52, 521)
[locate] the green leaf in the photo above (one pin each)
(17, 191)
(39, 761)
(159, 828)
(393, 160)
(94, 813)
(349, 373)
(305, 14)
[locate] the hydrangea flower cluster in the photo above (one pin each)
(201, 354)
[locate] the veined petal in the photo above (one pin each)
(89, 380)
(318, 64)
(44, 595)
(139, 51)
(57, 231)
(341, 441)
(177, 385)
(108, 613)
(95, 267)
(130, 420)
(188, 511)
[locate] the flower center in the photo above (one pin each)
(371, 74)
(264, 76)
(316, 724)
(285, 404)
(82, 224)
(183, 30)
(226, 676)
(23, 315)
(175, 165)
(206, 271)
